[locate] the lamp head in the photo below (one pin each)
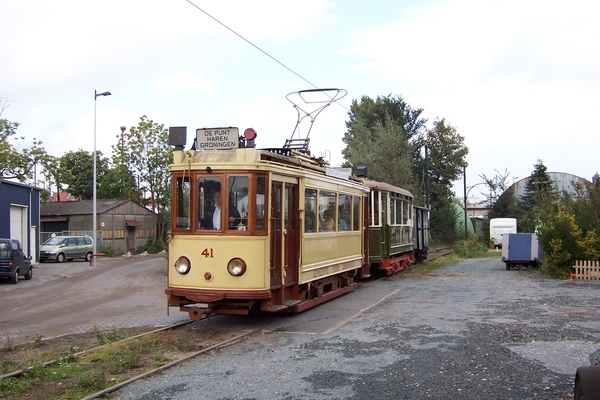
(96, 95)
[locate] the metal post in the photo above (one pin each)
(426, 177)
(94, 221)
(465, 193)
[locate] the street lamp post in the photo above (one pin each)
(94, 222)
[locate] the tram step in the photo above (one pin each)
(278, 307)
(291, 303)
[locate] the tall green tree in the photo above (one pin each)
(147, 152)
(388, 155)
(540, 188)
(118, 182)
(382, 134)
(539, 199)
(16, 160)
(447, 162)
(78, 172)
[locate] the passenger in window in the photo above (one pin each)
(212, 220)
(328, 223)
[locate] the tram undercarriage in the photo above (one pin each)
(289, 299)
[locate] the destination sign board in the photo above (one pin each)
(217, 138)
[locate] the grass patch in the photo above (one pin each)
(96, 368)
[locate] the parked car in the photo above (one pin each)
(61, 248)
(13, 262)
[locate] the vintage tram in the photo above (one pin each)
(276, 230)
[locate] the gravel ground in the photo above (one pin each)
(467, 331)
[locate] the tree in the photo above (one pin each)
(388, 156)
(539, 189)
(118, 182)
(497, 185)
(78, 172)
(381, 134)
(16, 160)
(53, 173)
(564, 242)
(447, 153)
(146, 149)
(539, 199)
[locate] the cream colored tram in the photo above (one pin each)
(289, 232)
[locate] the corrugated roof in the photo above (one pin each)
(80, 207)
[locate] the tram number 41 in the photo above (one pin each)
(208, 253)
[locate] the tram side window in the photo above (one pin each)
(327, 211)
(182, 203)
(393, 211)
(310, 205)
(344, 212)
(375, 207)
(356, 214)
(209, 203)
(399, 211)
(261, 184)
(238, 203)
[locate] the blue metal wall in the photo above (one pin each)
(18, 194)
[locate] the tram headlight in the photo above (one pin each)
(236, 267)
(183, 265)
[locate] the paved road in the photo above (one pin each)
(467, 331)
(73, 297)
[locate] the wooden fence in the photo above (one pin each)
(587, 270)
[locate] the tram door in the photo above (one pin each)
(284, 234)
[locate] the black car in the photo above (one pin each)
(13, 262)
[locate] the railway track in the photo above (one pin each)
(170, 365)
(220, 342)
(439, 252)
(89, 358)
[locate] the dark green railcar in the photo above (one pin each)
(391, 230)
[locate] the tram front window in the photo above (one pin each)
(209, 203)
(238, 203)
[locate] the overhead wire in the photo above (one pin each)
(258, 48)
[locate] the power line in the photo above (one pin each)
(259, 49)
(255, 46)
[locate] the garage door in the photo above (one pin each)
(18, 225)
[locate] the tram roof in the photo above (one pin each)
(386, 186)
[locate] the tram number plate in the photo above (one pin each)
(208, 253)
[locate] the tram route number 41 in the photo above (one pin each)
(208, 253)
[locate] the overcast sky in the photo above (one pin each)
(520, 80)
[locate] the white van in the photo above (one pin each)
(500, 226)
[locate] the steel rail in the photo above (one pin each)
(169, 365)
(80, 353)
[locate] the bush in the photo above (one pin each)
(108, 252)
(91, 381)
(564, 242)
(470, 248)
(153, 247)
